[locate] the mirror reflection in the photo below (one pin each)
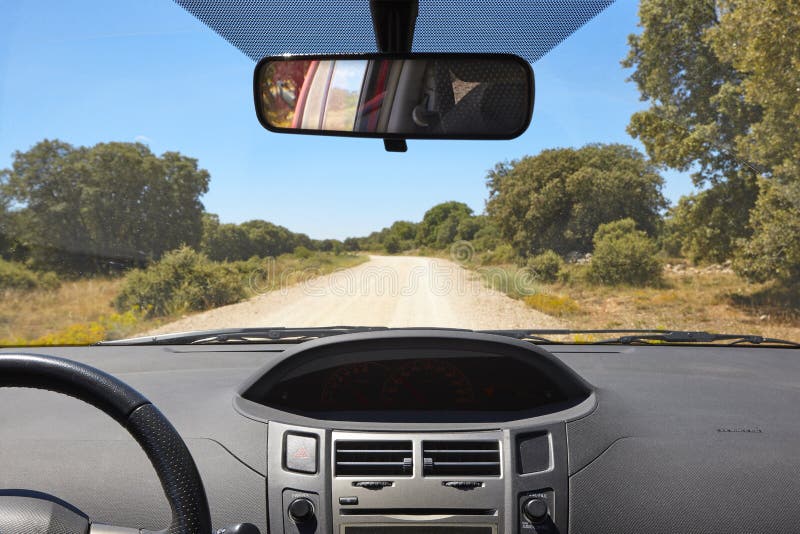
(437, 96)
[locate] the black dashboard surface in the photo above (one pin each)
(688, 439)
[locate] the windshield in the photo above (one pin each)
(657, 187)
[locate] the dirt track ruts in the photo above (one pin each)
(395, 291)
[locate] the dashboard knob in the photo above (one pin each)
(535, 509)
(301, 510)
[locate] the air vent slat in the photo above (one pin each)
(373, 458)
(461, 458)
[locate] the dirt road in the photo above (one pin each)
(396, 291)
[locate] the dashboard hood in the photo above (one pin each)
(713, 432)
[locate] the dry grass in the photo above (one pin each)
(80, 312)
(555, 305)
(713, 302)
(77, 312)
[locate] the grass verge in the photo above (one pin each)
(81, 312)
(710, 301)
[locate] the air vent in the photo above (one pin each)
(461, 458)
(373, 458)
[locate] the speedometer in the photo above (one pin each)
(355, 386)
(429, 384)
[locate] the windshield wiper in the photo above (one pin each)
(698, 337)
(244, 335)
(298, 335)
(641, 336)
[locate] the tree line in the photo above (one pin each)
(720, 79)
(114, 206)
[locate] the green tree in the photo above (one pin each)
(404, 230)
(224, 242)
(439, 226)
(696, 108)
(558, 198)
(706, 226)
(82, 208)
(392, 244)
(722, 79)
(352, 244)
(773, 253)
(761, 38)
(266, 239)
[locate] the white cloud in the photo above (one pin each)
(142, 139)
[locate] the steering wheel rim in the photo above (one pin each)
(162, 444)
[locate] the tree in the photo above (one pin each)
(721, 78)
(84, 208)
(558, 198)
(773, 253)
(232, 242)
(392, 244)
(762, 39)
(224, 242)
(404, 230)
(706, 226)
(267, 239)
(439, 226)
(696, 108)
(351, 244)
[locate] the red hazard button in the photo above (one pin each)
(300, 453)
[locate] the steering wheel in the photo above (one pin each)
(33, 512)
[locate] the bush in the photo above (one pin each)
(184, 280)
(503, 253)
(15, 275)
(303, 252)
(545, 266)
(392, 244)
(624, 255)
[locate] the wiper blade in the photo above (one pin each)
(537, 335)
(640, 336)
(697, 337)
(244, 335)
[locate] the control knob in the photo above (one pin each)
(535, 509)
(301, 510)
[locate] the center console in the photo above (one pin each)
(411, 459)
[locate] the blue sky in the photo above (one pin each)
(146, 70)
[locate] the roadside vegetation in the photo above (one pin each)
(98, 241)
(105, 241)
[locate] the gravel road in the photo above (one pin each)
(395, 291)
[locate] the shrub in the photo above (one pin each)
(503, 253)
(392, 244)
(545, 266)
(624, 255)
(15, 275)
(303, 252)
(184, 280)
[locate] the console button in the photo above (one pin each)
(300, 453)
(348, 500)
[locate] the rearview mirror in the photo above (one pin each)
(407, 96)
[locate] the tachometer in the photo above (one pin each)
(354, 386)
(429, 384)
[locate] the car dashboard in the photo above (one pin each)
(433, 432)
